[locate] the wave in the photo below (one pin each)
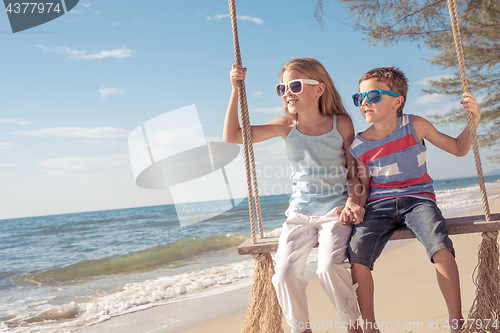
(133, 297)
(146, 260)
(460, 199)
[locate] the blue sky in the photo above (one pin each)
(74, 88)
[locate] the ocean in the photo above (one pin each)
(62, 272)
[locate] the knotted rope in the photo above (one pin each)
(264, 313)
(247, 136)
(486, 275)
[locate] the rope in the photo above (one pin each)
(264, 312)
(486, 275)
(452, 8)
(247, 138)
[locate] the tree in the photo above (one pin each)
(387, 22)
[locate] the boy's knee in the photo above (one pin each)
(360, 268)
(361, 274)
(442, 255)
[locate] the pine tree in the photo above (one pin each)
(387, 22)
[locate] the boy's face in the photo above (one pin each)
(385, 109)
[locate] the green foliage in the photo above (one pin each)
(387, 22)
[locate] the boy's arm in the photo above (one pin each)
(365, 179)
(458, 146)
(353, 210)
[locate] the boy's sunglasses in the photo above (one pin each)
(373, 96)
(295, 86)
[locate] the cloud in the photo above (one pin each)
(426, 81)
(6, 145)
(82, 166)
(85, 9)
(278, 109)
(16, 121)
(105, 92)
(255, 20)
(442, 109)
(6, 165)
(431, 98)
(85, 55)
(257, 94)
(77, 132)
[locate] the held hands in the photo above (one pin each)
(351, 213)
(237, 73)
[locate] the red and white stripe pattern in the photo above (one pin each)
(396, 163)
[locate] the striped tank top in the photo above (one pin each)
(318, 170)
(396, 163)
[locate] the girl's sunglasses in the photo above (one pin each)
(373, 96)
(295, 86)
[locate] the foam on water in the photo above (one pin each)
(133, 297)
(456, 201)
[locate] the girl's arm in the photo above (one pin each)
(353, 210)
(232, 130)
(458, 146)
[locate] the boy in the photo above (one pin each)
(391, 159)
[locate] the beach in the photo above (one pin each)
(137, 270)
(407, 296)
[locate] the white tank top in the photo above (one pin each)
(318, 170)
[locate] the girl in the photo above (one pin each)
(317, 133)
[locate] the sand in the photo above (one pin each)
(407, 297)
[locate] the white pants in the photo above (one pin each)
(299, 235)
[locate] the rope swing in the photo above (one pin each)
(486, 275)
(264, 312)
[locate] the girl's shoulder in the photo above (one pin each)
(283, 125)
(345, 126)
(283, 120)
(344, 119)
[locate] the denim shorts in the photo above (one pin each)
(382, 218)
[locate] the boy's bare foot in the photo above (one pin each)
(307, 331)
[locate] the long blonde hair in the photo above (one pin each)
(330, 102)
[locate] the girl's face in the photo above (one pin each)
(307, 99)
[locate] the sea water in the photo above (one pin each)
(62, 272)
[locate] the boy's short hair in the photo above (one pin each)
(394, 78)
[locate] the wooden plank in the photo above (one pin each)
(456, 225)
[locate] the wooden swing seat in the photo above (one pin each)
(456, 225)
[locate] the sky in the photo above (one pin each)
(73, 89)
